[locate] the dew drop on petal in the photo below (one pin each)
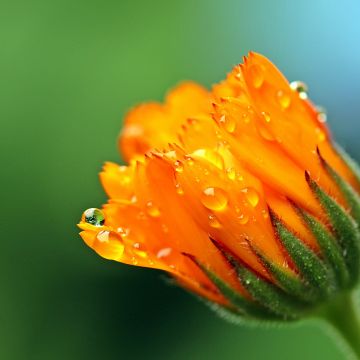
(231, 173)
(214, 198)
(214, 222)
(283, 99)
(320, 134)
(94, 216)
(266, 116)
(152, 210)
(164, 252)
(178, 166)
(109, 245)
(179, 189)
(256, 75)
(322, 115)
(301, 88)
(229, 123)
(243, 219)
(251, 196)
(265, 133)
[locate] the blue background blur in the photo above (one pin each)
(69, 70)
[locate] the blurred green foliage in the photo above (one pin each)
(69, 70)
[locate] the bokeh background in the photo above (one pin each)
(69, 71)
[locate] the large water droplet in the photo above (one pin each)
(214, 198)
(152, 210)
(301, 88)
(283, 99)
(320, 134)
(214, 222)
(94, 216)
(256, 75)
(251, 196)
(109, 245)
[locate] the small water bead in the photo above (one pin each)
(301, 88)
(189, 160)
(214, 222)
(152, 210)
(109, 245)
(178, 166)
(94, 216)
(251, 196)
(231, 173)
(283, 99)
(266, 116)
(322, 115)
(179, 189)
(164, 252)
(140, 250)
(320, 134)
(256, 75)
(214, 198)
(265, 133)
(228, 122)
(243, 219)
(265, 214)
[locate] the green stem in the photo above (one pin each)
(342, 314)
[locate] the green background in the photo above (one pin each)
(69, 71)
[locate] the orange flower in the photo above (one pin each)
(215, 188)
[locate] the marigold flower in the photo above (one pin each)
(239, 193)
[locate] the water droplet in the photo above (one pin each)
(214, 198)
(231, 173)
(179, 189)
(256, 76)
(211, 156)
(152, 210)
(228, 122)
(178, 166)
(247, 281)
(164, 228)
(283, 99)
(109, 245)
(301, 88)
(189, 160)
(322, 115)
(251, 196)
(163, 252)
(246, 118)
(266, 116)
(265, 133)
(264, 213)
(243, 219)
(320, 134)
(214, 222)
(94, 216)
(140, 250)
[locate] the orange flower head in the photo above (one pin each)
(239, 193)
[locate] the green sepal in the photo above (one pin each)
(331, 251)
(291, 284)
(344, 227)
(265, 293)
(241, 305)
(311, 268)
(351, 197)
